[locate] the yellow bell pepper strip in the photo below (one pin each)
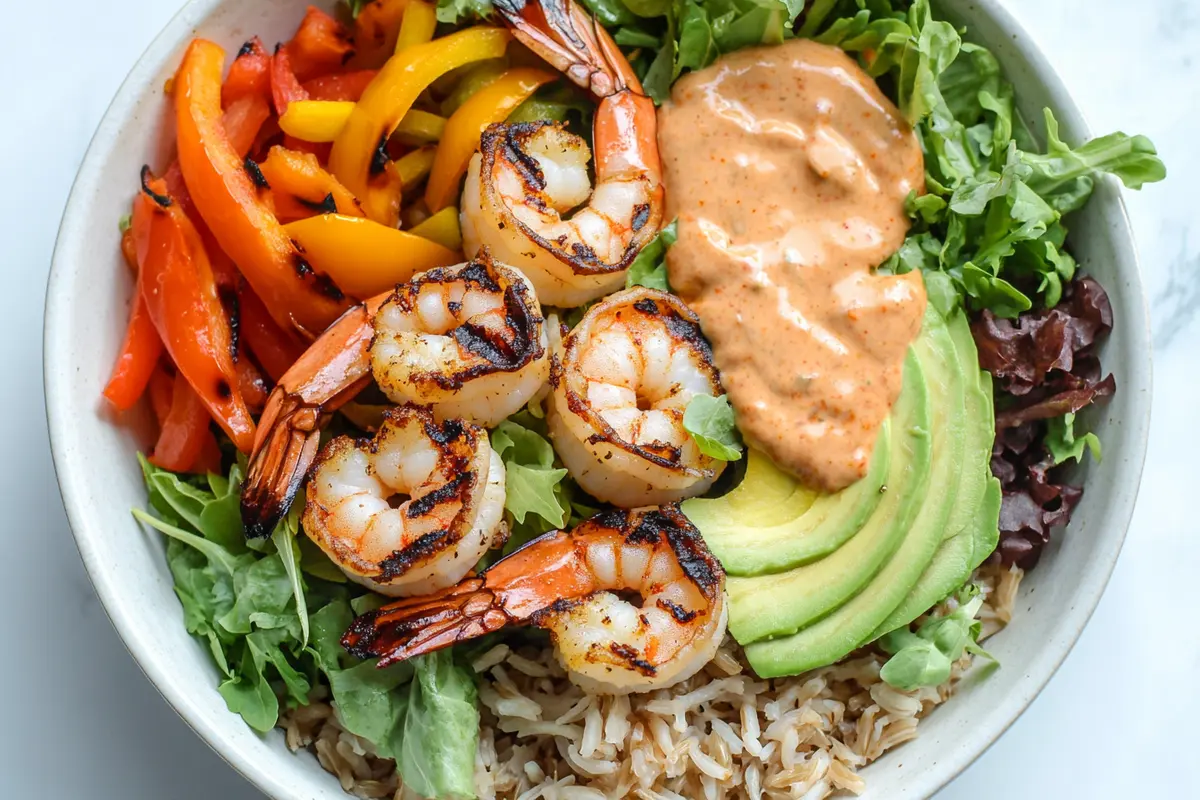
(301, 188)
(420, 127)
(412, 168)
(228, 201)
(443, 228)
(323, 120)
(493, 103)
(316, 120)
(417, 25)
(364, 257)
(356, 159)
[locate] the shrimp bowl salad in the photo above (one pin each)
(600, 398)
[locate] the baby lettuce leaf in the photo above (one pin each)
(710, 422)
(531, 477)
(649, 269)
(371, 702)
(925, 658)
(441, 728)
(1064, 444)
(421, 713)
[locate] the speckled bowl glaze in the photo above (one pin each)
(87, 302)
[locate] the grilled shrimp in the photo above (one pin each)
(567, 583)
(411, 510)
(621, 384)
(527, 176)
(469, 340)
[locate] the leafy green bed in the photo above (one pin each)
(988, 234)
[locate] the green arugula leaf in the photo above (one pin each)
(710, 422)
(284, 538)
(1065, 177)
(1064, 444)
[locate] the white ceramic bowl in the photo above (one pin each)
(86, 308)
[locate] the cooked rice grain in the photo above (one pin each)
(720, 734)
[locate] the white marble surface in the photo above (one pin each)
(83, 722)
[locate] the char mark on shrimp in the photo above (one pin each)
(632, 657)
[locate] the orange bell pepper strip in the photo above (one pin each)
(250, 74)
(493, 103)
(368, 258)
(345, 86)
(181, 438)
(356, 156)
(228, 201)
(129, 249)
(137, 358)
(301, 188)
(180, 293)
(320, 45)
(275, 348)
(242, 121)
(376, 29)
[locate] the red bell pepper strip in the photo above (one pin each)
(251, 383)
(181, 298)
(320, 45)
(250, 74)
(162, 386)
(228, 201)
(275, 348)
(343, 86)
(181, 439)
(137, 359)
(209, 459)
(285, 86)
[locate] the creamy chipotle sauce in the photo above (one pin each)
(787, 170)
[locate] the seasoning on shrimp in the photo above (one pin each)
(411, 510)
(621, 384)
(469, 340)
(527, 176)
(566, 583)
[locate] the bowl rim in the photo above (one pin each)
(58, 371)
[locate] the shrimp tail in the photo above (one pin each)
(409, 628)
(563, 34)
(334, 369)
(276, 472)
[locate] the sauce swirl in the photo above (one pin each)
(787, 170)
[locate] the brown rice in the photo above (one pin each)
(720, 734)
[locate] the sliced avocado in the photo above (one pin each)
(781, 604)
(922, 514)
(973, 519)
(770, 522)
(773, 605)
